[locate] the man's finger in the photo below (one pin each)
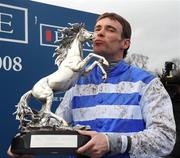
(10, 153)
(85, 147)
(88, 133)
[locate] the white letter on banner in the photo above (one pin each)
(5, 23)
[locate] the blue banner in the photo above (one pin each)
(27, 34)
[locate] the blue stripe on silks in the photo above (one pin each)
(114, 125)
(123, 72)
(96, 78)
(105, 99)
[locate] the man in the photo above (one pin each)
(130, 113)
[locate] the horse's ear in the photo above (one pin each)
(83, 25)
(70, 24)
(60, 30)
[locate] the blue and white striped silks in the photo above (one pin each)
(129, 101)
(113, 105)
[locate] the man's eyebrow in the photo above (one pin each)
(106, 26)
(97, 26)
(110, 26)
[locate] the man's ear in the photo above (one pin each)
(126, 43)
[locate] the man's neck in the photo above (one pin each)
(113, 63)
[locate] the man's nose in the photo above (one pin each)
(100, 33)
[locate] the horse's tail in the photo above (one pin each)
(23, 104)
(25, 98)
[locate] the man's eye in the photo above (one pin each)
(111, 30)
(97, 29)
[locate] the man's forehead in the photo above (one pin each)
(108, 22)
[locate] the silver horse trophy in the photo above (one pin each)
(43, 132)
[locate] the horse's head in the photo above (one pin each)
(75, 31)
(69, 36)
(85, 35)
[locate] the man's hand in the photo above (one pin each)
(12, 155)
(96, 147)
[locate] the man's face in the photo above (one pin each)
(108, 41)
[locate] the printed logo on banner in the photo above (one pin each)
(49, 34)
(13, 24)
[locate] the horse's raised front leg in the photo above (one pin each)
(72, 64)
(101, 59)
(88, 69)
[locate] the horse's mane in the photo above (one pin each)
(68, 35)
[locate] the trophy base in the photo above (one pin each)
(48, 142)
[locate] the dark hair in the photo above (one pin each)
(126, 27)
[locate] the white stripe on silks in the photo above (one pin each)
(107, 111)
(122, 87)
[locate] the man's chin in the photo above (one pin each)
(104, 54)
(99, 51)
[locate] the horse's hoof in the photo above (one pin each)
(105, 62)
(104, 77)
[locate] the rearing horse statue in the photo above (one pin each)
(71, 65)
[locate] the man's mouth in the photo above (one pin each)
(98, 42)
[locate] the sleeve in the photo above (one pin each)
(64, 110)
(159, 137)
